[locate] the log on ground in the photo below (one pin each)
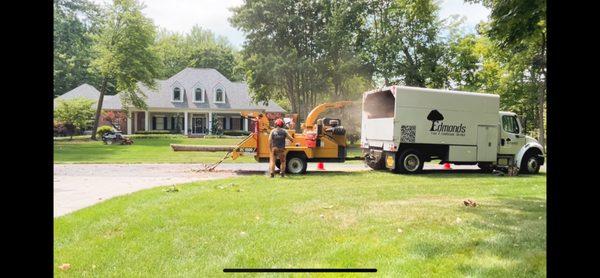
(201, 148)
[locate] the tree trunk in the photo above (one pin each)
(542, 93)
(99, 108)
(541, 100)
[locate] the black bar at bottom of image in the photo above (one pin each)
(299, 270)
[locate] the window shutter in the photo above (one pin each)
(153, 122)
(173, 123)
(165, 123)
(241, 123)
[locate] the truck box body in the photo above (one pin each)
(466, 122)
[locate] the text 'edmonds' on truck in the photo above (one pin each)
(403, 127)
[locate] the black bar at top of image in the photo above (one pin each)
(299, 270)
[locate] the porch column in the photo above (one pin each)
(185, 123)
(129, 122)
(209, 122)
(147, 118)
(245, 124)
(134, 121)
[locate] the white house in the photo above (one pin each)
(186, 103)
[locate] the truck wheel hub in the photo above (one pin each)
(295, 166)
(411, 162)
(532, 164)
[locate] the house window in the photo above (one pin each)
(198, 96)
(159, 122)
(176, 94)
(219, 96)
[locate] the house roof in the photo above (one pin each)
(237, 95)
(188, 80)
(88, 91)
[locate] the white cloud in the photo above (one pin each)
(181, 15)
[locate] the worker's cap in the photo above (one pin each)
(279, 122)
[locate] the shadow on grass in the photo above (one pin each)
(513, 245)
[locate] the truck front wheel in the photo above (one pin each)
(409, 162)
(530, 164)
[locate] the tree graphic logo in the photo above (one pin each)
(434, 116)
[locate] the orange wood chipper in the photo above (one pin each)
(321, 140)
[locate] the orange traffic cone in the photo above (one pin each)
(447, 166)
(320, 166)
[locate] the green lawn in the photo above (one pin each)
(411, 226)
(146, 150)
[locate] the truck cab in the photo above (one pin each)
(514, 147)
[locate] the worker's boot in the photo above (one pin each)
(272, 175)
(282, 174)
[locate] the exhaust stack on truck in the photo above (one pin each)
(403, 127)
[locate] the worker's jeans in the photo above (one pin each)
(277, 153)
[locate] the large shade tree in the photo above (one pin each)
(200, 48)
(518, 27)
(281, 55)
(405, 45)
(74, 22)
(123, 53)
(302, 52)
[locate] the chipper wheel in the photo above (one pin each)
(296, 163)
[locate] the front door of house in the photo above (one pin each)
(199, 125)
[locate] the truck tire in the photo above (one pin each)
(409, 161)
(296, 164)
(530, 163)
(375, 164)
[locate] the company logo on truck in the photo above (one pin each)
(439, 128)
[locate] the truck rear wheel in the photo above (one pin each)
(374, 163)
(409, 162)
(296, 164)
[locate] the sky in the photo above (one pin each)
(181, 15)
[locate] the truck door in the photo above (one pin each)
(511, 137)
(487, 143)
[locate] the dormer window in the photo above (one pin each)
(177, 95)
(219, 96)
(198, 95)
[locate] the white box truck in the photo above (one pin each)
(403, 127)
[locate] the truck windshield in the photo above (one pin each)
(510, 124)
(379, 105)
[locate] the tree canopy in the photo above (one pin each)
(78, 111)
(300, 53)
(122, 50)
